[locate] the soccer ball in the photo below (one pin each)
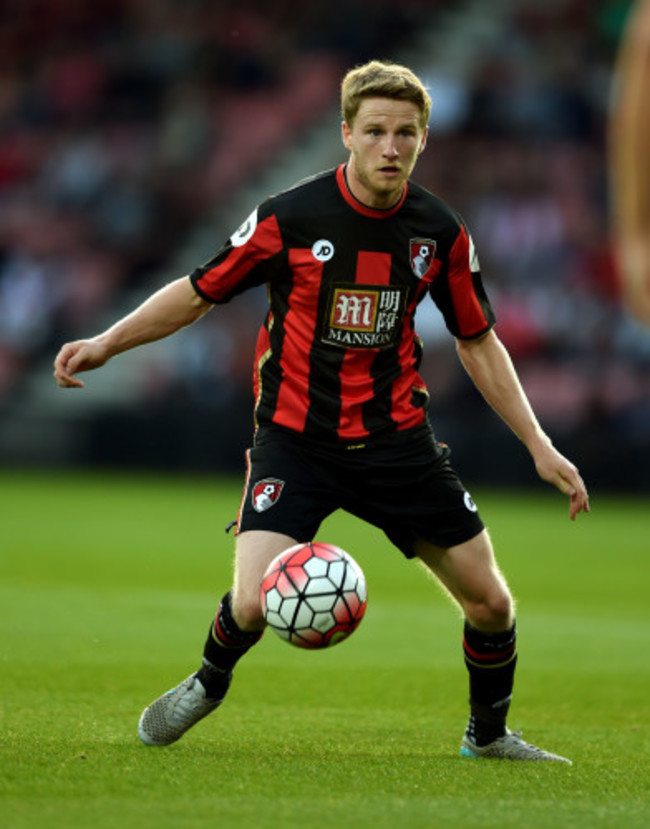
(313, 595)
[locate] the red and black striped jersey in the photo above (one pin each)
(338, 356)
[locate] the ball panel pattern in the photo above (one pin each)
(314, 595)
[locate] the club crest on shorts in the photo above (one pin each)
(265, 493)
(423, 252)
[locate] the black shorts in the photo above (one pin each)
(403, 484)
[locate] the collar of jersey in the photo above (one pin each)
(360, 207)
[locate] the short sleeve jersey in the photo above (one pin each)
(337, 356)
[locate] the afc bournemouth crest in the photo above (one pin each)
(423, 252)
(265, 493)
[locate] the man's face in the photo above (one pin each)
(384, 143)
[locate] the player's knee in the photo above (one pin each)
(495, 611)
(247, 612)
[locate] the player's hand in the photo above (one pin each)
(554, 468)
(81, 355)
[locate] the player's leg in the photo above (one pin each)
(254, 552)
(282, 502)
(237, 626)
(470, 574)
(238, 623)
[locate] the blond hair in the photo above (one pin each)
(382, 79)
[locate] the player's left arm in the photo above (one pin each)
(488, 363)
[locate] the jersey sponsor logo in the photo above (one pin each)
(322, 250)
(266, 493)
(244, 233)
(423, 252)
(364, 316)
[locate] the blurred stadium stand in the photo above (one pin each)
(136, 136)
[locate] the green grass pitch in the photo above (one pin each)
(108, 585)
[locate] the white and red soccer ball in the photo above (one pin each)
(314, 595)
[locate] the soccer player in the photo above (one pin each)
(630, 161)
(341, 411)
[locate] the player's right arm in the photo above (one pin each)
(169, 309)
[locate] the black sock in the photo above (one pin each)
(224, 647)
(490, 659)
